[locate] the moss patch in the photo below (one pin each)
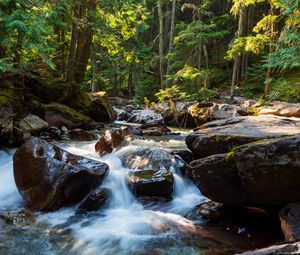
(82, 101)
(67, 112)
(229, 156)
(8, 97)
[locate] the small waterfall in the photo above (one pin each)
(125, 227)
(9, 195)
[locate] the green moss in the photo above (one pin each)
(81, 101)
(145, 174)
(6, 96)
(229, 156)
(254, 111)
(234, 149)
(67, 112)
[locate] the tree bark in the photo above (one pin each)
(237, 60)
(161, 43)
(172, 30)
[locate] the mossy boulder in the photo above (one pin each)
(100, 108)
(260, 174)
(221, 136)
(59, 115)
(81, 101)
(96, 106)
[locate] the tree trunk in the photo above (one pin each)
(172, 30)
(84, 45)
(72, 51)
(271, 50)
(161, 43)
(130, 81)
(237, 60)
(206, 78)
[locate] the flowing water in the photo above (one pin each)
(125, 227)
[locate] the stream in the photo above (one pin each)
(125, 226)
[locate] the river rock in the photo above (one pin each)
(259, 174)
(290, 221)
(151, 183)
(185, 155)
(49, 178)
(21, 218)
(280, 249)
(109, 141)
(281, 109)
(218, 179)
(154, 129)
(81, 135)
(95, 200)
(152, 159)
(122, 115)
(33, 124)
(145, 116)
(221, 136)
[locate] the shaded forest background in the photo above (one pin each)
(139, 49)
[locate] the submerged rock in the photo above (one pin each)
(33, 124)
(222, 136)
(95, 200)
(290, 221)
(49, 178)
(260, 174)
(22, 218)
(151, 183)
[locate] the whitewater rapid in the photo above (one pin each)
(125, 226)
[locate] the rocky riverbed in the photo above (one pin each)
(227, 187)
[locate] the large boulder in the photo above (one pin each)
(218, 179)
(59, 115)
(290, 221)
(281, 109)
(49, 178)
(151, 183)
(196, 114)
(222, 136)
(33, 124)
(259, 174)
(100, 108)
(280, 249)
